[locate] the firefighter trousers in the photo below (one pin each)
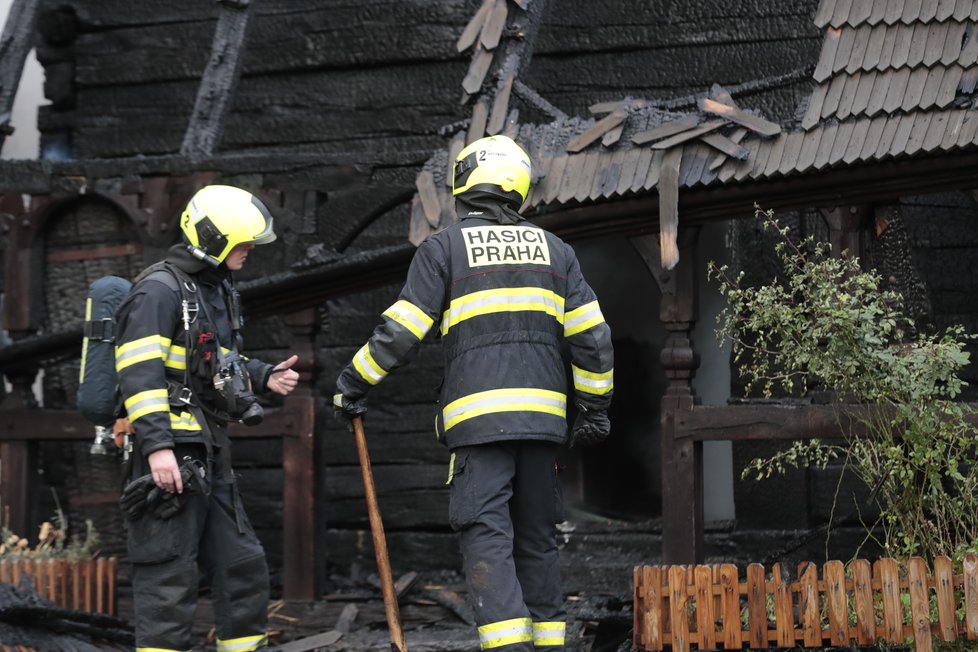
(505, 502)
(211, 534)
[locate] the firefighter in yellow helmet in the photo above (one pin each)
(182, 379)
(505, 296)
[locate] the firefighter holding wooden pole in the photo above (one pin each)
(506, 296)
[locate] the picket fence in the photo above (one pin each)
(709, 607)
(86, 585)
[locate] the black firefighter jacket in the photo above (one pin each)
(151, 349)
(505, 297)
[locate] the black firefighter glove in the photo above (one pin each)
(142, 493)
(348, 408)
(590, 427)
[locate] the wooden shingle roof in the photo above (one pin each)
(887, 57)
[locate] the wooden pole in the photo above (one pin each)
(380, 543)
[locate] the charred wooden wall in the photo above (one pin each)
(373, 88)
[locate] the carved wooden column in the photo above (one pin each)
(682, 459)
(299, 464)
(847, 225)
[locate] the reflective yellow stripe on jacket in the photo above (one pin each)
(591, 382)
(512, 399)
(367, 367)
(153, 347)
(410, 317)
(580, 319)
(243, 644)
(549, 634)
(143, 403)
(486, 302)
(505, 632)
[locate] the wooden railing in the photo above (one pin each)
(87, 585)
(712, 607)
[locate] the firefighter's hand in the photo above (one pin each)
(348, 408)
(166, 473)
(590, 427)
(283, 378)
(133, 499)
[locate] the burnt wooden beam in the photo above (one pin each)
(16, 41)
(220, 80)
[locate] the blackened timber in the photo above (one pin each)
(16, 41)
(220, 81)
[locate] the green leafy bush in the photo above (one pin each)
(825, 322)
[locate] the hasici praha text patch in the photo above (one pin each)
(506, 245)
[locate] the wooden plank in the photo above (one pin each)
(655, 170)
(654, 597)
(777, 154)
(826, 8)
(572, 177)
(219, 83)
(815, 103)
(809, 147)
(836, 602)
(889, 133)
(902, 135)
(680, 138)
(705, 612)
(500, 106)
(937, 43)
(873, 138)
(597, 130)
(860, 46)
(944, 591)
(968, 129)
(841, 15)
(695, 155)
(919, 604)
(554, 178)
(474, 27)
(944, 9)
(612, 136)
(917, 132)
(726, 145)
(669, 207)
(887, 574)
(477, 122)
(589, 172)
(862, 595)
(481, 60)
(730, 607)
(970, 582)
(897, 81)
(911, 12)
(859, 132)
(792, 150)
(736, 137)
(495, 23)
(953, 129)
(832, 95)
(848, 97)
(645, 156)
(808, 606)
(784, 620)
(628, 167)
(915, 89)
(755, 123)
(678, 611)
(894, 10)
(863, 95)
(949, 86)
(918, 45)
(425, 184)
(935, 131)
(666, 129)
(879, 10)
(932, 87)
(841, 142)
(611, 174)
(825, 146)
(874, 49)
(826, 60)
(844, 52)
(877, 96)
